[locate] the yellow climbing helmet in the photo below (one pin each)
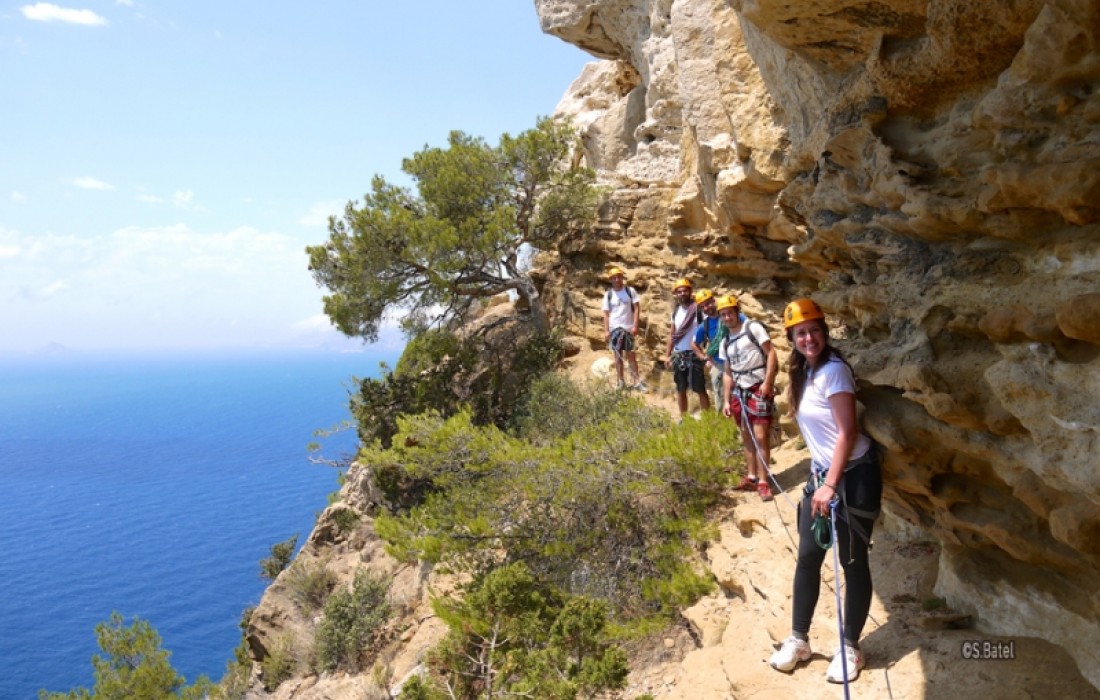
(616, 270)
(801, 310)
(682, 282)
(727, 301)
(703, 295)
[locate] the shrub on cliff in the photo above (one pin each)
(486, 371)
(512, 636)
(554, 407)
(611, 509)
(281, 554)
(350, 621)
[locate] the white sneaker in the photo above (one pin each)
(854, 659)
(790, 654)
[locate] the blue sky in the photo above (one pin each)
(164, 164)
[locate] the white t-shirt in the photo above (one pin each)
(743, 355)
(815, 413)
(620, 307)
(677, 319)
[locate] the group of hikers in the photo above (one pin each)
(713, 347)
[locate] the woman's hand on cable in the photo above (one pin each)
(819, 504)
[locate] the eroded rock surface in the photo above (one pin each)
(930, 173)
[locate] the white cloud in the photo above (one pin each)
(91, 183)
(167, 286)
(127, 3)
(48, 12)
(54, 288)
(182, 198)
(18, 197)
(16, 43)
(320, 212)
(313, 324)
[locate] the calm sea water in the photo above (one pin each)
(153, 487)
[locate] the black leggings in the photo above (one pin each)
(863, 490)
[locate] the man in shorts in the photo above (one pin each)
(748, 390)
(621, 314)
(687, 369)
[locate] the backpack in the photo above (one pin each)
(629, 292)
(747, 331)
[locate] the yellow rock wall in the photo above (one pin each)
(930, 173)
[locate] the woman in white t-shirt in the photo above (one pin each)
(846, 465)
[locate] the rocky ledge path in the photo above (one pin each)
(914, 644)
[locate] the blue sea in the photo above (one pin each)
(153, 486)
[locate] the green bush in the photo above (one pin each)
(512, 636)
(280, 662)
(555, 407)
(488, 373)
(238, 670)
(350, 621)
(309, 584)
(134, 666)
(345, 519)
(281, 554)
(417, 688)
(699, 454)
(612, 508)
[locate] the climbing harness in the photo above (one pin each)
(686, 361)
(617, 341)
(849, 513)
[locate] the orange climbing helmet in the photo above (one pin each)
(727, 301)
(801, 310)
(682, 282)
(703, 296)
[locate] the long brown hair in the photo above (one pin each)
(798, 367)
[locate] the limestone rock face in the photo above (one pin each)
(343, 543)
(929, 172)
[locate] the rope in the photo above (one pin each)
(839, 607)
(746, 426)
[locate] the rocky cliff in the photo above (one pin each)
(929, 172)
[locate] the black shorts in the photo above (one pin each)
(687, 369)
